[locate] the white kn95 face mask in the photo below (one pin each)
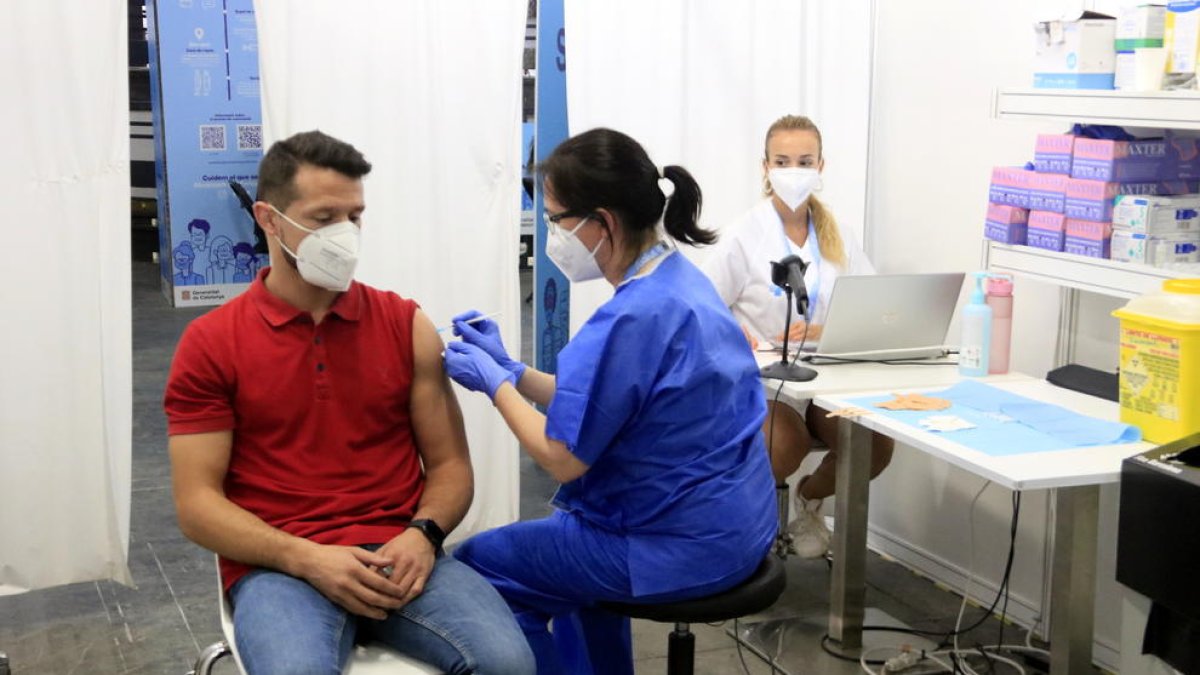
(328, 256)
(570, 254)
(793, 184)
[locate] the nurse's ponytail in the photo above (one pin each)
(606, 169)
(683, 208)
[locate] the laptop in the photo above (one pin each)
(888, 317)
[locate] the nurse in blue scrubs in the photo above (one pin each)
(652, 424)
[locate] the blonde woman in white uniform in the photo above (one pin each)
(791, 220)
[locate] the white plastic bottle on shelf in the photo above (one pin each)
(1000, 299)
(976, 332)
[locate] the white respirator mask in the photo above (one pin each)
(571, 256)
(793, 184)
(328, 256)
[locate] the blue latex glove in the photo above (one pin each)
(1106, 131)
(485, 334)
(475, 369)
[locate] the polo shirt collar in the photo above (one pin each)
(277, 312)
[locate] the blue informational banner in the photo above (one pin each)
(208, 131)
(551, 291)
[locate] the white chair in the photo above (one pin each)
(371, 659)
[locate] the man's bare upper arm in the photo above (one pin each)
(436, 417)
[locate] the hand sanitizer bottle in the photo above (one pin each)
(976, 332)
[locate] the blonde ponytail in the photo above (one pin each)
(829, 238)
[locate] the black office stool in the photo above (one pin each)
(752, 595)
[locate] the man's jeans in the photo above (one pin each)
(459, 624)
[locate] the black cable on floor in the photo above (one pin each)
(1016, 505)
(1001, 593)
(991, 663)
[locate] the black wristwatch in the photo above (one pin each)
(432, 532)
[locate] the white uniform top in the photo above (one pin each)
(740, 269)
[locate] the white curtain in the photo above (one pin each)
(430, 92)
(66, 392)
(698, 82)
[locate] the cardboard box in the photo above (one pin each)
(1140, 26)
(1120, 161)
(1006, 233)
(1181, 37)
(1093, 199)
(1136, 247)
(1090, 199)
(1010, 186)
(1183, 156)
(1157, 215)
(1047, 220)
(1087, 229)
(1048, 191)
(1139, 41)
(1001, 213)
(1141, 69)
(1052, 153)
(1088, 247)
(1005, 224)
(1075, 54)
(1046, 239)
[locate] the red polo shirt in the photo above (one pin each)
(323, 446)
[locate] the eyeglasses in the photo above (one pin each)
(553, 218)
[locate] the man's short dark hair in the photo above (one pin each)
(199, 224)
(277, 171)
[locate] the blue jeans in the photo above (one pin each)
(459, 624)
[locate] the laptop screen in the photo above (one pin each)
(882, 314)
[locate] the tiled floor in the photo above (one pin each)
(160, 626)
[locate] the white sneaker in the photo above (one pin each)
(810, 537)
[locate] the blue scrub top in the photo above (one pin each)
(660, 395)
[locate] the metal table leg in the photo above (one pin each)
(786, 642)
(1073, 584)
(848, 586)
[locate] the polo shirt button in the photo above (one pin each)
(317, 340)
(320, 367)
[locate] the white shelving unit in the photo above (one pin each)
(1071, 273)
(1157, 109)
(1107, 277)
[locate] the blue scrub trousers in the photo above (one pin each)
(558, 568)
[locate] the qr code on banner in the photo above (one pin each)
(212, 136)
(249, 136)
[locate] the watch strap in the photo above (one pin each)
(432, 531)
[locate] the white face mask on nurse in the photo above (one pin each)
(568, 252)
(793, 165)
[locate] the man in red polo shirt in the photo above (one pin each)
(317, 447)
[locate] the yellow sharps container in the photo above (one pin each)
(1160, 361)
